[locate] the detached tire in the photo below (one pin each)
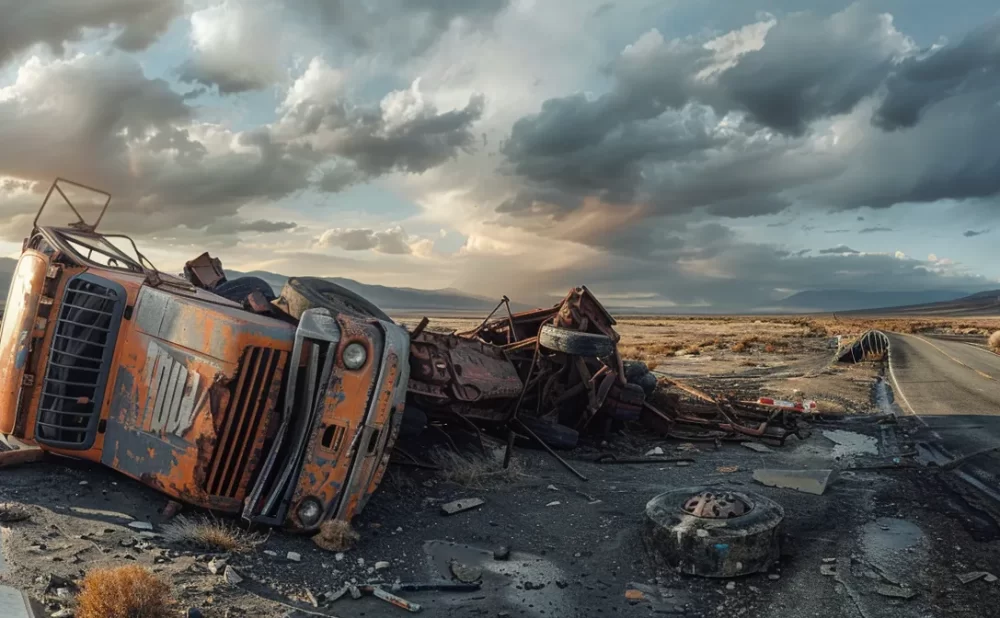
(238, 289)
(574, 342)
(303, 293)
(555, 435)
(719, 544)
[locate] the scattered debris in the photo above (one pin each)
(459, 506)
(805, 481)
(232, 576)
(381, 565)
(828, 569)
(968, 578)
(217, 564)
(727, 469)
(849, 443)
(140, 525)
(731, 585)
(655, 451)
(757, 446)
(554, 503)
(895, 592)
(129, 590)
(465, 573)
(336, 535)
(634, 595)
(293, 556)
(501, 553)
(395, 600)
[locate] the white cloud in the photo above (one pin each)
(237, 46)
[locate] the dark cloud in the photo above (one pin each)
(861, 218)
(54, 22)
(393, 241)
(873, 230)
(657, 135)
(971, 64)
(973, 233)
(811, 67)
(259, 226)
(839, 250)
(395, 28)
(403, 133)
(841, 231)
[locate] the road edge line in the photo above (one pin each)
(895, 385)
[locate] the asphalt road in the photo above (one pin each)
(953, 386)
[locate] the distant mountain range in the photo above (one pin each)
(401, 300)
(978, 304)
(392, 299)
(822, 301)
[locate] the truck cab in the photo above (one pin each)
(287, 420)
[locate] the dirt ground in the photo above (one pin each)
(575, 546)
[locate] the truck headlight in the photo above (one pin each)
(309, 511)
(355, 355)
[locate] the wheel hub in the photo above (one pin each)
(711, 505)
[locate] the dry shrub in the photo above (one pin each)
(995, 342)
(652, 365)
(336, 535)
(770, 349)
(738, 347)
(475, 470)
(128, 591)
(693, 350)
(210, 535)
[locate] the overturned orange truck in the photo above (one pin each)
(283, 410)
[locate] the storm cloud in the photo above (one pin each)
(54, 22)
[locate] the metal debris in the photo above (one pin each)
(968, 578)
(805, 481)
(459, 506)
(895, 592)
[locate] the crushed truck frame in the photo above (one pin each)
(284, 412)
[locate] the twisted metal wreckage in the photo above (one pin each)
(285, 408)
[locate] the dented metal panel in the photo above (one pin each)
(16, 332)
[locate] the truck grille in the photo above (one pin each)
(239, 437)
(79, 356)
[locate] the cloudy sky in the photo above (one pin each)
(678, 154)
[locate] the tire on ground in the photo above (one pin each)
(647, 383)
(555, 435)
(302, 293)
(712, 547)
(575, 342)
(238, 289)
(634, 370)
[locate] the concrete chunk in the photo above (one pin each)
(461, 505)
(806, 481)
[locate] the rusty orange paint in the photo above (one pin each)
(192, 391)
(16, 334)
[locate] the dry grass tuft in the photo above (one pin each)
(211, 535)
(475, 470)
(129, 591)
(995, 342)
(336, 535)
